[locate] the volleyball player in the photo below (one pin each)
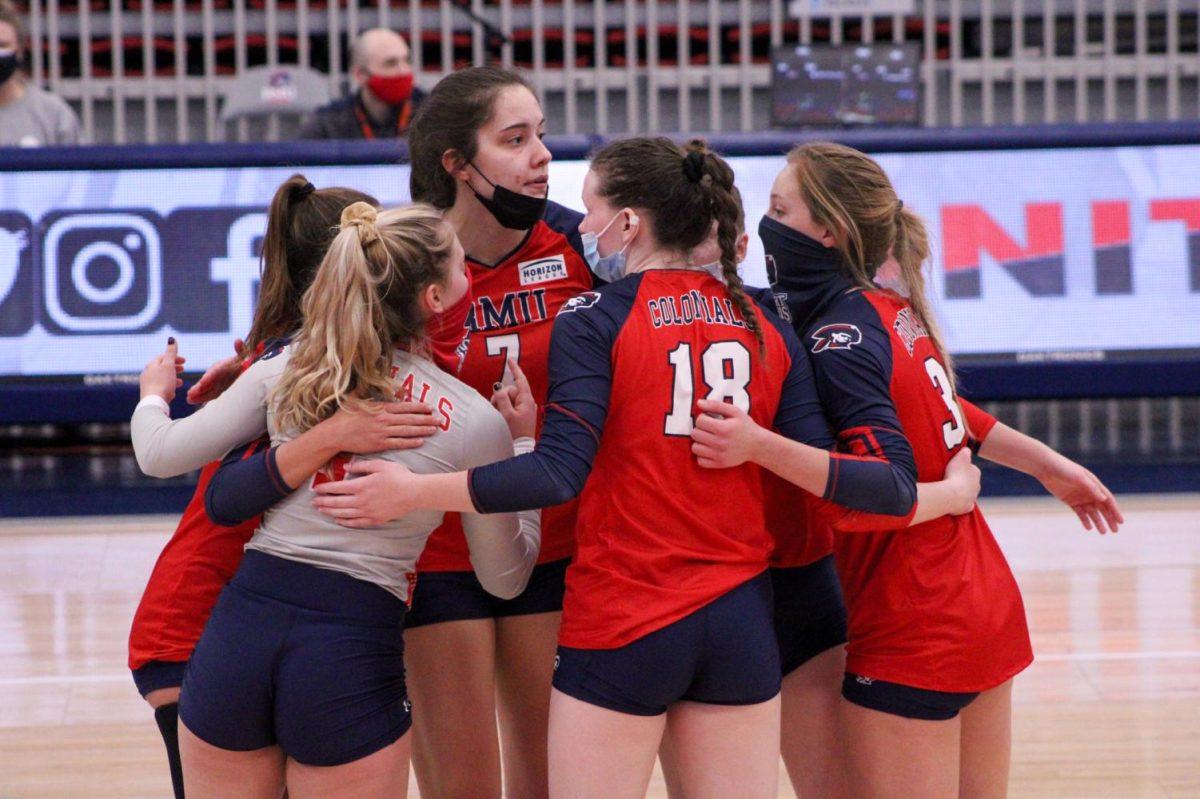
(476, 152)
(810, 622)
(936, 624)
(667, 616)
(809, 618)
(299, 674)
(202, 556)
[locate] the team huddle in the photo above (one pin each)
(532, 498)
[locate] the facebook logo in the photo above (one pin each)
(213, 268)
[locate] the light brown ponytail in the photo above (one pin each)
(847, 192)
(301, 223)
(911, 251)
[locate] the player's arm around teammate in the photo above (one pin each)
(262, 699)
(249, 482)
(725, 436)
(174, 607)
(167, 449)
(931, 652)
(651, 639)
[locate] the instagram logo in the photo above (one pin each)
(103, 272)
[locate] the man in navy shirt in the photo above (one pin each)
(383, 103)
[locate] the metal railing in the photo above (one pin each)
(147, 71)
(1143, 428)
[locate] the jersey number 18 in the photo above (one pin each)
(725, 367)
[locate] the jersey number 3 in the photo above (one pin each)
(955, 430)
(726, 372)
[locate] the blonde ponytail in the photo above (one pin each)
(363, 302)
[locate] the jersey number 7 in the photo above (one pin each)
(725, 367)
(506, 346)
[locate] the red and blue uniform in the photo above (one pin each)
(512, 314)
(661, 539)
(810, 612)
(933, 606)
(515, 301)
(198, 561)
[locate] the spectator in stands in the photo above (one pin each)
(383, 104)
(29, 116)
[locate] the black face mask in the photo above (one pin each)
(805, 271)
(512, 210)
(8, 65)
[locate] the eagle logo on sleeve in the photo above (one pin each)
(580, 301)
(839, 336)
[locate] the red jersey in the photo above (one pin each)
(979, 421)
(803, 534)
(194, 566)
(659, 537)
(515, 302)
(190, 573)
(934, 606)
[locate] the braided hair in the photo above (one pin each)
(682, 191)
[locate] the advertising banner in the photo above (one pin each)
(1055, 254)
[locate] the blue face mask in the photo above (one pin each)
(609, 268)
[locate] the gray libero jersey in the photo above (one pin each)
(504, 547)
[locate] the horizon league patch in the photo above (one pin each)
(542, 270)
(838, 336)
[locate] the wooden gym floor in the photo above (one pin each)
(1110, 709)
